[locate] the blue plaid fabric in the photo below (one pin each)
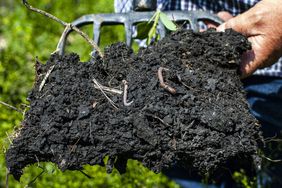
(235, 7)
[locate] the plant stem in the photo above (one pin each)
(10, 106)
(65, 24)
(46, 77)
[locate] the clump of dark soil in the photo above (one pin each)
(205, 125)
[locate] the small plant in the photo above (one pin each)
(148, 30)
(242, 179)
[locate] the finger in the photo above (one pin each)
(247, 66)
(250, 63)
(261, 56)
(238, 23)
(210, 24)
(224, 15)
(253, 59)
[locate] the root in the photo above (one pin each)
(97, 84)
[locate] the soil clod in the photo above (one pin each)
(194, 115)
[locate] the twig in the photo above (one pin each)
(272, 160)
(67, 25)
(7, 178)
(88, 176)
(180, 80)
(274, 140)
(112, 90)
(45, 78)
(99, 86)
(8, 136)
(90, 131)
(125, 83)
(64, 35)
(38, 162)
(32, 181)
(162, 83)
(10, 106)
(73, 148)
(157, 118)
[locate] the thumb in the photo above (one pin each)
(224, 15)
(239, 23)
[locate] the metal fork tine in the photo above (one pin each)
(194, 25)
(128, 32)
(98, 20)
(96, 32)
(161, 30)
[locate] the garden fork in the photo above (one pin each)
(143, 10)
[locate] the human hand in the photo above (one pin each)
(262, 24)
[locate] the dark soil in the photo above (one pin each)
(205, 126)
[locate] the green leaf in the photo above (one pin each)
(153, 17)
(143, 30)
(151, 34)
(50, 168)
(153, 31)
(167, 22)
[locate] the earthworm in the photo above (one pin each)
(125, 83)
(162, 83)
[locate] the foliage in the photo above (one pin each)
(149, 29)
(25, 35)
(242, 179)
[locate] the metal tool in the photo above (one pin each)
(143, 10)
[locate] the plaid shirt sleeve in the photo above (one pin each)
(235, 7)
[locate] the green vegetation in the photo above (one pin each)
(25, 35)
(242, 179)
(149, 30)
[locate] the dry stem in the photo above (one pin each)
(97, 84)
(8, 136)
(108, 89)
(88, 176)
(180, 80)
(7, 178)
(162, 83)
(65, 24)
(32, 181)
(46, 77)
(272, 160)
(10, 106)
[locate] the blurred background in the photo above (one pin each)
(25, 35)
